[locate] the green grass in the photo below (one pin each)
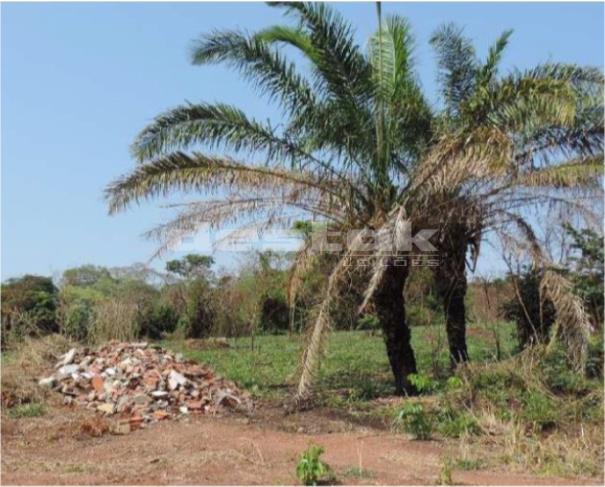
(355, 367)
(29, 410)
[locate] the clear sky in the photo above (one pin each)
(80, 80)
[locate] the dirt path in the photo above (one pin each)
(230, 450)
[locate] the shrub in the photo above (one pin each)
(29, 306)
(310, 470)
(533, 315)
(368, 322)
(558, 375)
(423, 383)
(77, 320)
(539, 410)
(594, 362)
(454, 423)
(156, 321)
(275, 313)
(413, 419)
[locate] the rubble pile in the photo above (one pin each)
(140, 383)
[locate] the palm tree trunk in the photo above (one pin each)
(390, 309)
(450, 280)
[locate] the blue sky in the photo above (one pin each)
(80, 80)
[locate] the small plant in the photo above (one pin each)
(469, 463)
(454, 383)
(310, 469)
(423, 383)
(368, 322)
(453, 423)
(29, 410)
(445, 474)
(358, 472)
(414, 420)
(539, 410)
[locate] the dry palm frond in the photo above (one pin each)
(389, 239)
(572, 325)
(460, 159)
(314, 348)
(268, 210)
(573, 174)
(198, 172)
(301, 266)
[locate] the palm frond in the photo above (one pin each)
(458, 65)
(341, 67)
(572, 325)
(302, 263)
(322, 324)
(571, 175)
(199, 172)
(214, 125)
(264, 66)
(388, 239)
(489, 70)
(401, 107)
(572, 322)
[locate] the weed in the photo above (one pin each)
(423, 383)
(539, 410)
(310, 470)
(454, 383)
(453, 423)
(445, 473)
(29, 410)
(24, 365)
(414, 420)
(360, 473)
(469, 463)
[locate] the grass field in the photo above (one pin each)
(355, 364)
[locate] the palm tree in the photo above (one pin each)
(548, 122)
(361, 149)
(501, 146)
(353, 126)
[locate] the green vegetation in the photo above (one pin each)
(311, 470)
(30, 410)
(355, 369)
(413, 419)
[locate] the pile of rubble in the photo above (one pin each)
(140, 383)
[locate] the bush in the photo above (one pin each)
(29, 306)
(423, 383)
(533, 315)
(275, 313)
(594, 362)
(539, 410)
(157, 321)
(115, 319)
(310, 470)
(77, 319)
(413, 419)
(368, 322)
(454, 423)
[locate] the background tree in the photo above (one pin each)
(29, 305)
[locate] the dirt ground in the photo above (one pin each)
(262, 449)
